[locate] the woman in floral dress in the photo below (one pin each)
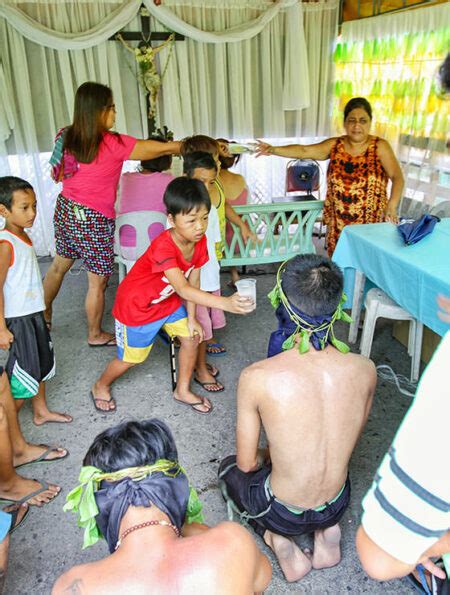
(357, 180)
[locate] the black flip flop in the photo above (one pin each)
(44, 487)
(14, 514)
(193, 405)
(205, 384)
(95, 399)
(42, 459)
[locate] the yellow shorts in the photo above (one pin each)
(134, 343)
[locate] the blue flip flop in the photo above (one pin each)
(219, 346)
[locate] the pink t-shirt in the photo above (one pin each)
(143, 192)
(95, 184)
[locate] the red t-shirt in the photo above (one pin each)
(95, 184)
(145, 295)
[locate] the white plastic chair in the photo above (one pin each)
(380, 305)
(141, 221)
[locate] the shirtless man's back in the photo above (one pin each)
(313, 407)
(208, 561)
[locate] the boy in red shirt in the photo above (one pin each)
(149, 298)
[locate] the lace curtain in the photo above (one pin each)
(264, 85)
(392, 60)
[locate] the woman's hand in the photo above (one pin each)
(390, 214)
(263, 148)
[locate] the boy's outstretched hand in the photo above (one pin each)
(240, 304)
(6, 338)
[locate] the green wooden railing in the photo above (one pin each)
(283, 230)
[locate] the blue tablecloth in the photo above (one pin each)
(413, 276)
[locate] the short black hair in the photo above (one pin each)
(158, 163)
(9, 185)
(183, 195)
(355, 103)
(132, 444)
(313, 284)
(198, 159)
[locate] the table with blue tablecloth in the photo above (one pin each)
(412, 276)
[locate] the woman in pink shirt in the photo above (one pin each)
(143, 190)
(89, 166)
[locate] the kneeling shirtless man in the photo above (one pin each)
(313, 404)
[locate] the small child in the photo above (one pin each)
(201, 166)
(22, 326)
(149, 298)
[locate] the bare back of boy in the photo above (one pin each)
(313, 408)
(209, 562)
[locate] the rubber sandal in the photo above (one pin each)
(42, 459)
(14, 514)
(111, 400)
(109, 343)
(193, 406)
(205, 384)
(44, 487)
(221, 349)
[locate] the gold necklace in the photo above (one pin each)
(142, 526)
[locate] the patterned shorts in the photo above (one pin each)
(81, 232)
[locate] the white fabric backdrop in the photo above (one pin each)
(239, 90)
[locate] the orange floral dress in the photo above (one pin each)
(356, 190)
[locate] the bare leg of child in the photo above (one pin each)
(234, 273)
(186, 363)
(101, 390)
(95, 306)
(22, 451)
(52, 283)
(12, 485)
(42, 414)
(4, 544)
(294, 563)
(327, 548)
(203, 373)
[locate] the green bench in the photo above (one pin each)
(283, 229)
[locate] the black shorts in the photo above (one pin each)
(249, 499)
(31, 358)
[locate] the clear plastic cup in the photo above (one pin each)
(247, 288)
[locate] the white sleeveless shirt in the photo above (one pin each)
(22, 291)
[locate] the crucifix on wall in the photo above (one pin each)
(145, 56)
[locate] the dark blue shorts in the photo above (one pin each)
(249, 499)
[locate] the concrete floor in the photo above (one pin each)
(50, 541)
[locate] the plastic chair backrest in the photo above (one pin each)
(141, 221)
(441, 210)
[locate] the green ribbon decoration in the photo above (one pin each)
(81, 500)
(304, 329)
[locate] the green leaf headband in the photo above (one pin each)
(305, 329)
(81, 500)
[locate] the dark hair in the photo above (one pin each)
(355, 103)
(132, 444)
(227, 162)
(198, 159)
(183, 195)
(158, 163)
(199, 142)
(84, 136)
(444, 74)
(9, 185)
(313, 284)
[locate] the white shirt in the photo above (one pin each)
(407, 509)
(22, 291)
(210, 272)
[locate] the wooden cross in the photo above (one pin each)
(145, 37)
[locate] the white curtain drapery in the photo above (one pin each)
(264, 86)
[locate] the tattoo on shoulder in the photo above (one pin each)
(75, 587)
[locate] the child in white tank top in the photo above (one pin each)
(22, 326)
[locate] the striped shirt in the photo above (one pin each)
(407, 509)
